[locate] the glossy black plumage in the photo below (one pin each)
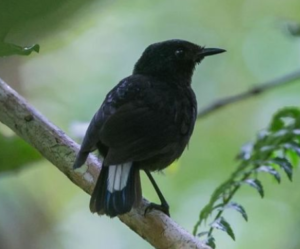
(145, 122)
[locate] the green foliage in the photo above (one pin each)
(223, 225)
(238, 208)
(7, 49)
(210, 241)
(26, 20)
(29, 19)
(15, 153)
(276, 147)
(255, 184)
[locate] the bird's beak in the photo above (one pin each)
(211, 51)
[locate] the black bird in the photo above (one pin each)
(144, 123)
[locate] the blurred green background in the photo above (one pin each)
(86, 48)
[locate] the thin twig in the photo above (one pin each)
(257, 90)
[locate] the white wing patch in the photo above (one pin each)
(118, 176)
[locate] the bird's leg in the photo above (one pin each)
(164, 206)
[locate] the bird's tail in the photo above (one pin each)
(117, 190)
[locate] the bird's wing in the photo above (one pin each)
(137, 133)
(128, 122)
(92, 135)
(91, 139)
(135, 122)
(121, 94)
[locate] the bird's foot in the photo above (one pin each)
(163, 208)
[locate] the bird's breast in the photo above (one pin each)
(178, 108)
(185, 111)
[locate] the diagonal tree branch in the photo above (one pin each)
(257, 90)
(157, 228)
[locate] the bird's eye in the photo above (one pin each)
(179, 53)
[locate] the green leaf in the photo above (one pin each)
(223, 225)
(293, 146)
(268, 148)
(205, 212)
(262, 135)
(245, 152)
(7, 49)
(270, 170)
(285, 165)
(210, 241)
(238, 208)
(202, 234)
(273, 148)
(293, 157)
(217, 194)
(278, 123)
(16, 148)
(281, 133)
(257, 185)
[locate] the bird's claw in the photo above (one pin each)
(162, 208)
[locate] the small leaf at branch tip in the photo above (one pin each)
(285, 165)
(7, 49)
(257, 185)
(238, 208)
(270, 170)
(223, 225)
(35, 48)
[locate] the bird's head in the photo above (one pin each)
(172, 60)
